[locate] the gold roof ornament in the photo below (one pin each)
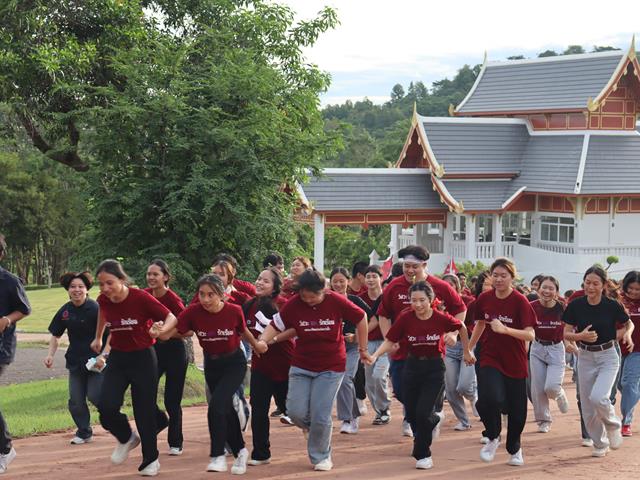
(452, 110)
(591, 105)
(632, 49)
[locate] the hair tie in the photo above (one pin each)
(436, 303)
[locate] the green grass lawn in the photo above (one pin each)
(39, 407)
(44, 304)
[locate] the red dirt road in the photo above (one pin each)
(376, 452)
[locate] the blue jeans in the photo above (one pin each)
(346, 405)
(83, 385)
(309, 403)
(630, 383)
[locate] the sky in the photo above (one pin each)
(383, 42)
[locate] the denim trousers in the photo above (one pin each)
(309, 404)
(83, 385)
(460, 382)
(376, 380)
(630, 385)
(346, 405)
(547, 373)
(5, 436)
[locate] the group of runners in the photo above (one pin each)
(313, 343)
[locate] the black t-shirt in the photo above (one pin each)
(80, 323)
(348, 327)
(604, 318)
(12, 298)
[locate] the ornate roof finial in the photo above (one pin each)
(414, 117)
(484, 60)
(632, 48)
(452, 110)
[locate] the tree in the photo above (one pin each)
(397, 92)
(548, 53)
(573, 49)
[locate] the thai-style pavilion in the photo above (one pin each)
(540, 162)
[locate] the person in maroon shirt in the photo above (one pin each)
(240, 285)
(135, 320)
(172, 357)
(503, 360)
(219, 325)
(298, 266)
(269, 372)
(316, 316)
(357, 284)
(547, 353)
(630, 367)
(376, 374)
(422, 329)
(395, 299)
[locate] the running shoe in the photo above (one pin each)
(255, 463)
(276, 413)
(6, 459)
(626, 431)
(151, 470)
(424, 463)
(285, 420)
(563, 403)
(615, 439)
(121, 452)
(599, 452)
(347, 427)
(544, 427)
(175, 451)
(79, 440)
(587, 442)
(516, 460)
(239, 466)
(376, 420)
(217, 464)
(406, 429)
(324, 466)
(488, 452)
(461, 427)
(362, 407)
(435, 433)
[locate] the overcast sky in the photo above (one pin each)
(383, 42)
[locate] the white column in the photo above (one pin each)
(393, 242)
(318, 242)
(497, 235)
(471, 238)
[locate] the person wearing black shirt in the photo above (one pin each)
(78, 318)
(14, 306)
(595, 322)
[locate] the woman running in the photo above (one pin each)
(269, 372)
(219, 325)
(79, 318)
(316, 317)
(422, 328)
(298, 266)
(594, 321)
(376, 373)
(346, 404)
(547, 353)
(630, 379)
(503, 360)
(172, 357)
(135, 320)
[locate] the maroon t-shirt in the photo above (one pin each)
(276, 362)
(218, 333)
(287, 291)
(633, 308)
(423, 337)
(130, 320)
(576, 294)
(376, 333)
(395, 298)
(549, 324)
(500, 351)
(170, 300)
(351, 291)
(320, 343)
(244, 287)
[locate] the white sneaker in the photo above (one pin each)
(484, 440)
(587, 442)
(599, 452)
(362, 406)
(324, 466)
(255, 463)
(345, 427)
(516, 459)
(488, 452)
(175, 451)
(615, 439)
(406, 429)
(544, 427)
(217, 464)
(6, 459)
(121, 452)
(239, 466)
(435, 433)
(563, 403)
(461, 427)
(79, 440)
(285, 420)
(355, 426)
(424, 463)
(151, 470)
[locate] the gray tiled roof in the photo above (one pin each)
(551, 83)
(479, 194)
(613, 165)
(372, 191)
(476, 148)
(550, 164)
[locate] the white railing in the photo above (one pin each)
(485, 250)
(406, 240)
(556, 247)
(508, 249)
(459, 249)
(434, 244)
(624, 251)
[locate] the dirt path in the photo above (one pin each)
(376, 452)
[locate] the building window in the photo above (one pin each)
(557, 229)
(516, 227)
(459, 227)
(484, 228)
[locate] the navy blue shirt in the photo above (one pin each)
(12, 298)
(80, 324)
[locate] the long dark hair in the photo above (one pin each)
(482, 277)
(611, 289)
(164, 268)
(113, 267)
(631, 277)
(268, 305)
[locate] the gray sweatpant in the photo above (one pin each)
(547, 373)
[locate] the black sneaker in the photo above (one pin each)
(377, 420)
(385, 417)
(276, 413)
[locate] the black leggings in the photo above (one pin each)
(172, 362)
(224, 375)
(359, 382)
(140, 370)
(499, 394)
(423, 384)
(262, 389)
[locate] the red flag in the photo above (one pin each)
(451, 268)
(386, 266)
